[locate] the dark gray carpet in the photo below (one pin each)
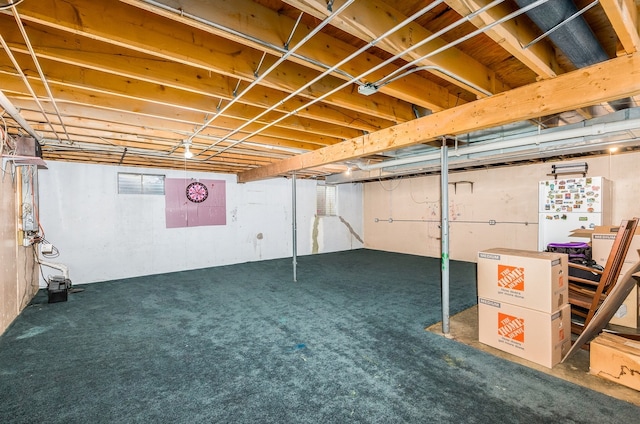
(244, 344)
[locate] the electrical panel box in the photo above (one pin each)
(28, 146)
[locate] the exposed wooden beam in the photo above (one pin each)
(511, 35)
(88, 97)
(135, 90)
(368, 19)
(94, 116)
(623, 15)
(125, 26)
(603, 82)
(53, 45)
(271, 27)
(134, 123)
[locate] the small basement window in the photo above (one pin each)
(326, 200)
(140, 183)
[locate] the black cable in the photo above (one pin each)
(10, 4)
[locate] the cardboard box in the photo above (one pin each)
(602, 239)
(533, 335)
(535, 280)
(616, 358)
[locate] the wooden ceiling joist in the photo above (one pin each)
(120, 24)
(274, 28)
(511, 35)
(611, 80)
(131, 65)
(366, 19)
(150, 75)
(623, 15)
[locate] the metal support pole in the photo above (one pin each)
(444, 232)
(294, 226)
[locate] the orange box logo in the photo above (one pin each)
(511, 277)
(511, 327)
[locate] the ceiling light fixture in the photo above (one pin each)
(367, 89)
(187, 152)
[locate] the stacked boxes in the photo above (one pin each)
(602, 239)
(523, 304)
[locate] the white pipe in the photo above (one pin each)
(15, 114)
(242, 35)
(471, 34)
(253, 83)
(327, 72)
(27, 83)
(380, 65)
(591, 130)
(61, 267)
(43, 78)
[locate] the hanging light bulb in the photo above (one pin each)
(187, 152)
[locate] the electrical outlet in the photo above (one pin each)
(46, 248)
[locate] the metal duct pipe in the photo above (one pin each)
(574, 37)
(591, 130)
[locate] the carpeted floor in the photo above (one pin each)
(244, 344)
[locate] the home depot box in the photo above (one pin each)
(536, 280)
(602, 240)
(533, 335)
(616, 358)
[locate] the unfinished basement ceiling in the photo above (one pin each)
(267, 87)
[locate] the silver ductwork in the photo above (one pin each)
(572, 35)
(574, 38)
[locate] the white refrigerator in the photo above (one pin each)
(569, 204)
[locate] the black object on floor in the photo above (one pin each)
(58, 289)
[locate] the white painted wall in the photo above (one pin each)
(507, 195)
(333, 233)
(102, 235)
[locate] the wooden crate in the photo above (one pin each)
(617, 359)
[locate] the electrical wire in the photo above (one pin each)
(9, 5)
(4, 134)
(390, 189)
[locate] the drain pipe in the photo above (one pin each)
(444, 233)
(60, 267)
